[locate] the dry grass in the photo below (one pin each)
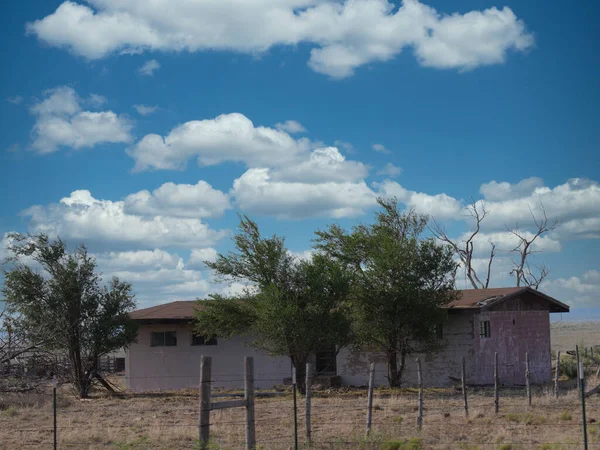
(566, 335)
(169, 421)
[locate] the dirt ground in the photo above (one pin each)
(170, 421)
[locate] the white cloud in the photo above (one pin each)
(256, 191)
(343, 35)
(380, 148)
(390, 170)
(347, 146)
(228, 137)
(104, 222)
(575, 204)
(149, 68)
(494, 191)
(145, 110)
(15, 99)
(506, 241)
(61, 122)
(577, 290)
(439, 206)
(322, 165)
(290, 126)
(140, 259)
(178, 200)
(199, 255)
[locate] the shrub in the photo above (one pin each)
(411, 444)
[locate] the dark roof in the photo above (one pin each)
(481, 298)
(179, 310)
(468, 299)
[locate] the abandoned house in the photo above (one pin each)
(510, 321)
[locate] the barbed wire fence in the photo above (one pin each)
(365, 417)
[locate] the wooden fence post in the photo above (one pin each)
(204, 425)
(249, 397)
(420, 408)
(556, 373)
(370, 397)
(577, 356)
(496, 384)
(307, 399)
(527, 378)
(463, 381)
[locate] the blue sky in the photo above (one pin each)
(431, 102)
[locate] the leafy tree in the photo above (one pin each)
(62, 305)
(292, 308)
(401, 281)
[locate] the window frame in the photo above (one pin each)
(485, 329)
(205, 340)
(165, 342)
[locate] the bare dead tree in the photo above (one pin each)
(522, 271)
(465, 249)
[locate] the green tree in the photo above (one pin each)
(291, 308)
(57, 298)
(401, 281)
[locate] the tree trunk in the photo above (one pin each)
(395, 368)
(300, 365)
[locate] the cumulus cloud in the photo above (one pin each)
(199, 255)
(60, 122)
(576, 290)
(145, 110)
(256, 191)
(290, 126)
(390, 170)
(506, 241)
(494, 191)
(80, 216)
(575, 204)
(149, 68)
(439, 206)
(96, 100)
(140, 259)
(380, 148)
(343, 35)
(228, 137)
(322, 165)
(178, 200)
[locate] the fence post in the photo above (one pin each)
(583, 418)
(556, 373)
(204, 423)
(249, 397)
(463, 381)
(295, 409)
(578, 374)
(54, 385)
(370, 397)
(420, 408)
(496, 384)
(527, 378)
(307, 400)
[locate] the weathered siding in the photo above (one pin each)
(513, 333)
(165, 368)
(458, 334)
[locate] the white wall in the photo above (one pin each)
(166, 368)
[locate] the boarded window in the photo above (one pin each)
(163, 339)
(484, 329)
(325, 363)
(198, 339)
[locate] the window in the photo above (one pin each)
(163, 339)
(484, 329)
(325, 363)
(203, 340)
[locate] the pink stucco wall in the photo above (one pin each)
(513, 333)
